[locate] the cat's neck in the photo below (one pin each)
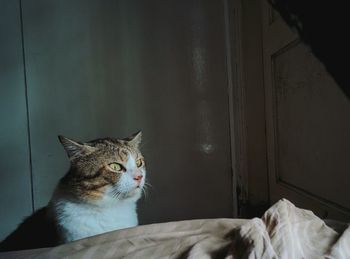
(77, 219)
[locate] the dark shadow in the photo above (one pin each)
(323, 25)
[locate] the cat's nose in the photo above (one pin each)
(138, 178)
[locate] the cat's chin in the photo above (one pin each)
(136, 193)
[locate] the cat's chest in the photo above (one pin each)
(79, 220)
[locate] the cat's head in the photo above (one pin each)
(105, 169)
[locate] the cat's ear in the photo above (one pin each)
(135, 139)
(75, 149)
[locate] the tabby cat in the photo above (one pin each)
(97, 195)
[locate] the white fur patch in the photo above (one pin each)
(79, 220)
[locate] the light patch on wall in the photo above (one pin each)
(207, 148)
(199, 62)
(200, 71)
(206, 129)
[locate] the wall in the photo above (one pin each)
(15, 183)
(89, 69)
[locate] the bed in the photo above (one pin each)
(284, 231)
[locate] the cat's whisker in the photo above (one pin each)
(145, 188)
(144, 192)
(116, 194)
(148, 185)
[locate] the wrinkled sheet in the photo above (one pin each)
(284, 231)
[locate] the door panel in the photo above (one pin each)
(311, 130)
(15, 184)
(308, 125)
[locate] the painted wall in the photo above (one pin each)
(89, 69)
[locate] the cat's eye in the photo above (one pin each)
(116, 167)
(139, 162)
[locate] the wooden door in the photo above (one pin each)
(307, 124)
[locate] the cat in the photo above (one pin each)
(97, 195)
